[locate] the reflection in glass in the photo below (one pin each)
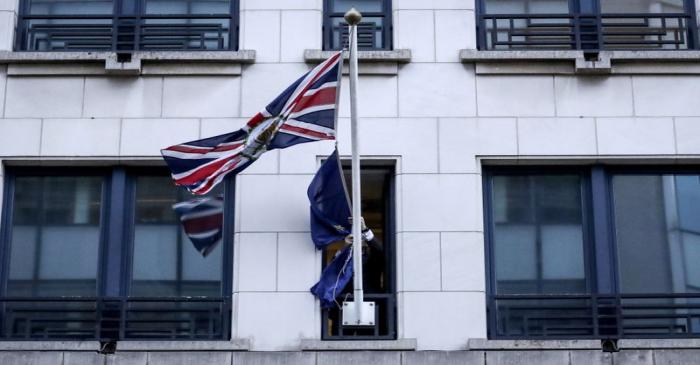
(71, 7)
(657, 231)
(527, 7)
(55, 236)
(641, 6)
(364, 6)
(165, 263)
(538, 234)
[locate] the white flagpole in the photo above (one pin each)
(353, 17)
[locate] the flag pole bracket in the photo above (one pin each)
(350, 314)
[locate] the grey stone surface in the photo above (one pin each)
(241, 344)
(358, 358)
(527, 357)
(590, 357)
(676, 357)
(127, 358)
(189, 358)
(83, 358)
(681, 343)
(241, 56)
(397, 55)
(31, 358)
(484, 344)
(472, 55)
(444, 358)
(49, 346)
(633, 357)
(273, 358)
(318, 345)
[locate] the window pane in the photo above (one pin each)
(364, 6)
(165, 261)
(55, 236)
(641, 6)
(67, 7)
(527, 6)
(656, 228)
(188, 6)
(538, 234)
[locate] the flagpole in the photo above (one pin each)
(353, 17)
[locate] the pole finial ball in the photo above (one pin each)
(353, 16)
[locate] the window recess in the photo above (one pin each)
(373, 33)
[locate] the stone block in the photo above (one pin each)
(556, 136)
(527, 357)
(282, 5)
(395, 137)
(443, 358)
(264, 82)
(274, 358)
(273, 203)
(20, 137)
(146, 137)
(462, 140)
(54, 97)
(420, 255)
(201, 96)
(687, 135)
(260, 30)
(592, 357)
(633, 357)
(462, 261)
(277, 321)
(454, 317)
(666, 95)
(30, 358)
(123, 97)
(594, 96)
(304, 158)
(415, 30)
(3, 84)
(630, 136)
(434, 4)
(256, 258)
(676, 357)
(8, 20)
(127, 358)
(518, 95)
(451, 206)
(97, 137)
(83, 358)
(376, 96)
(9, 5)
(298, 267)
(302, 32)
(437, 90)
(358, 358)
(454, 30)
(189, 358)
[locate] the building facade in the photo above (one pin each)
(531, 169)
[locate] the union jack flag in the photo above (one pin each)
(304, 112)
(202, 220)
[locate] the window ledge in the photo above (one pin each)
(681, 343)
(238, 344)
(49, 346)
(370, 62)
(142, 63)
(574, 62)
(405, 344)
(499, 345)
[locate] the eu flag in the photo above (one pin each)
(330, 205)
(334, 278)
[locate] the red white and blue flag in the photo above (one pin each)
(203, 221)
(304, 112)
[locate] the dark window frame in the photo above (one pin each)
(600, 249)
(329, 32)
(389, 241)
(115, 253)
(118, 17)
(584, 18)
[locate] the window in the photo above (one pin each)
(99, 254)
(127, 25)
(379, 267)
(593, 252)
(590, 25)
(374, 31)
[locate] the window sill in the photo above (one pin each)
(574, 62)
(370, 62)
(142, 63)
(242, 344)
(500, 345)
(405, 344)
